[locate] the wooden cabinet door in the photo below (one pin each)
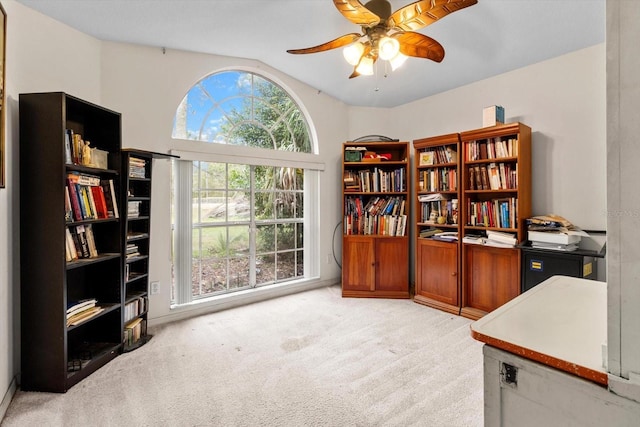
(437, 271)
(492, 277)
(358, 263)
(392, 264)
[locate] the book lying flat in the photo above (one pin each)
(554, 246)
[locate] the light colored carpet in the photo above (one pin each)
(310, 359)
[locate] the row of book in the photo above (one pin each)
(81, 311)
(492, 148)
(375, 206)
(445, 179)
(134, 330)
(499, 213)
(438, 155)
(89, 197)
(383, 225)
(137, 168)
(80, 242)
(77, 150)
(493, 176)
(135, 308)
(374, 180)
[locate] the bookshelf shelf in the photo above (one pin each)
(56, 272)
(375, 251)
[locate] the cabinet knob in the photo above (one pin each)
(454, 273)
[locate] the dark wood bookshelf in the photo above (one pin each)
(48, 281)
(136, 229)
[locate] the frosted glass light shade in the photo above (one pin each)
(388, 48)
(353, 52)
(365, 67)
(397, 61)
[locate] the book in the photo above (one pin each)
(429, 232)
(74, 307)
(67, 147)
(109, 192)
(502, 237)
(100, 202)
(555, 246)
(75, 203)
(84, 315)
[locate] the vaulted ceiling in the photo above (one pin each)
(483, 40)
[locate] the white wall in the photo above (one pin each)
(42, 55)
(563, 100)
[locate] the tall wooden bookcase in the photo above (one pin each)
(137, 173)
(56, 356)
(375, 246)
(496, 195)
(437, 183)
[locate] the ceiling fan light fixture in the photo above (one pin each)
(365, 67)
(388, 48)
(397, 61)
(353, 53)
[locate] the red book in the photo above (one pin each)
(100, 202)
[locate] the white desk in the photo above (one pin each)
(561, 323)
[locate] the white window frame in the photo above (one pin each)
(250, 156)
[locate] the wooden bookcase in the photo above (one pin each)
(437, 183)
(491, 275)
(375, 246)
(55, 356)
(137, 173)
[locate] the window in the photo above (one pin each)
(241, 220)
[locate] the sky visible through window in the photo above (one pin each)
(241, 108)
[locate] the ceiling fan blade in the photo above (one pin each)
(339, 42)
(418, 15)
(355, 12)
(420, 46)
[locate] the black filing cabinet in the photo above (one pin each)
(540, 264)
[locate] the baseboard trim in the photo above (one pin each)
(224, 302)
(6, 400)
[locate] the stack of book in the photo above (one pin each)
(132, 250)
(133, 209)
(81, 311)
(137, 168)
(500, 239)
(553, 232)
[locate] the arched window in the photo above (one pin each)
(241, 221)
(242, 108)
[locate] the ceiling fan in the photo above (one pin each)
(386, 35)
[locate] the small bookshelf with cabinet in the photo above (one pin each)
(437, 227)
(375, 252)
(70, 244)
(137, 167)
(496, 200)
